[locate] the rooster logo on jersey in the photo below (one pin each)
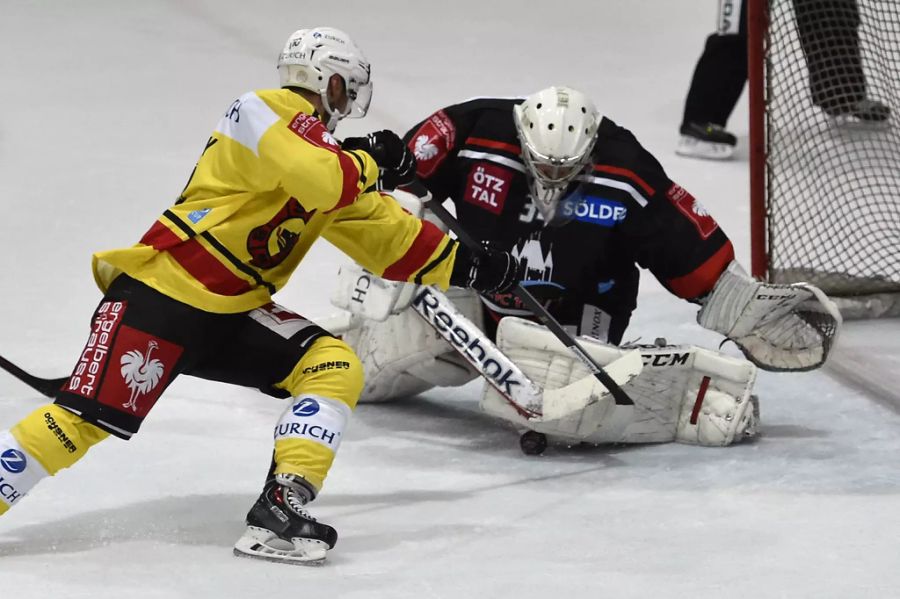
(424, 149)
(693, 210)
(699, 209)
(141, 373)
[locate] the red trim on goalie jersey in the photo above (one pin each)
(702, 279)
(423, 246)
(625, 174)
(494, 145)
(196, 260)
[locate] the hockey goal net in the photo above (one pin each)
(825, 148)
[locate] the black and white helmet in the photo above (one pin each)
(309, 59)
(557, 128)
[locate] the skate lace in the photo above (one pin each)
(296, 503)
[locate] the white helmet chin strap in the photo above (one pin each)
(332, 115)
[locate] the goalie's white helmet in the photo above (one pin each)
(309, 59)
(557, 128)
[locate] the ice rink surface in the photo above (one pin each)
(105, 107)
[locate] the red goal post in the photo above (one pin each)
(824, 183)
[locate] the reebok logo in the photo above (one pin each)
(486, 358)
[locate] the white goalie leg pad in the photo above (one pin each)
(717, 406)
(366, 295)
(363, 294)
(778, 327)
(551, 366)
(403, 355)
(684, 393)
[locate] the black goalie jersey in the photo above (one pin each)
(621, 212)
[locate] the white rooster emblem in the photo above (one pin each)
(141, 374)
(424, 149)
(329, 139)
(699, 209)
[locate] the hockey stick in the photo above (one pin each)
(526, 397)
(48, 387)
(545, 318)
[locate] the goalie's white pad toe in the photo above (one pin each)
(260, 543)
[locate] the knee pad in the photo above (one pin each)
(329, 369)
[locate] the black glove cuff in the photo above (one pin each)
(464, 267)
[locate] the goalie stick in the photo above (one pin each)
(47, 387)
(621, 398)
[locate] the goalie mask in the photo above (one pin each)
(557, 128)
(309, 59)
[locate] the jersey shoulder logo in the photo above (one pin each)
(433, 142)
(424, 149)
(311, 129)
(693, 210)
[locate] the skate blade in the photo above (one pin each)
(694, 148)
(850, 124)
(258, 543)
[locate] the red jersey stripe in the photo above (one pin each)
(423, 246)
(196, 260)
(496, 145)
(702, 279)
(349, 190)
(624, 172)
(160, 237)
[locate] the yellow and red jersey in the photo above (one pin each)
(271, 180)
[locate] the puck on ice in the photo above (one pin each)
(533, 443)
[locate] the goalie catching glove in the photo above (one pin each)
(778, 327)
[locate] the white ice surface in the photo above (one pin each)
(106, 105)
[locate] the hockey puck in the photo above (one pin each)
(533, 443)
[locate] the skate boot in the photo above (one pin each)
(860, 111)
(280, 530)
(706, 140)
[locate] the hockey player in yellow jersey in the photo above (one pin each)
(194, 295)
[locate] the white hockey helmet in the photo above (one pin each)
(557, 128)
(309, 59)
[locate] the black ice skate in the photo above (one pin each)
(706, 140)
(280, 530)
(862, 111)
